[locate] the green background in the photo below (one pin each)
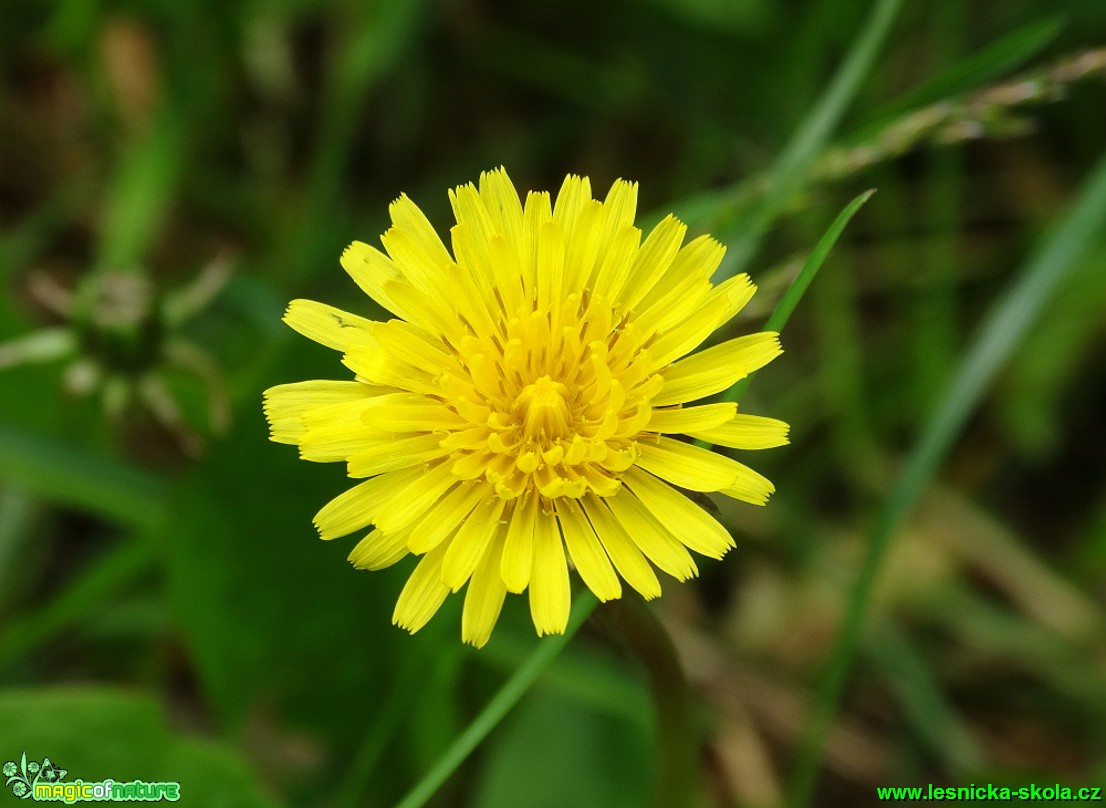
(166, 610)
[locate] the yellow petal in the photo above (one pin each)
(518, 551)
(602, 483)
(574, 196)
(469, 210)
(536, 212)
(430, 312)
(472, 539)
(689, 419)
(505, 263)
(379, 550)
(549, 588)
(614, 267)
(286, 404)
(686, 465)
(503, 205)
(446, 516)
(409, 412)
(428, 251)
(587, 553)
(625, 555)
(745, 432)
(651, 537)
(336, 431)
(484, 598)
(685, 284)
(327, 325)
(621, 204)
(404, 506)
(721, 304)
(423, 593)
(389, 455)
(338, 442)
(469, 289)
(751, 487)
(372, 270)
(582, 245)
(412, 345)
(715, 369)
(683, 518)
(378, 367)
(354, 509)
(652, 261)
(551, 264)
(346, 414)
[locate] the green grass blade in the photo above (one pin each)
(99, 484)
(927, 709)
(356, 778)
(118, 569)
(991, 63)
(139, 198)
(809, 141)
(790, 299)
(506, 698)
(996, 342)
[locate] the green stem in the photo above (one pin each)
(633, 623)
(507, 697)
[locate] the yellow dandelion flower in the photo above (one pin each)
(517, 416)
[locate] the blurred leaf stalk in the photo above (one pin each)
(122, 334)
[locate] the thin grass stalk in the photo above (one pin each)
(501, 703)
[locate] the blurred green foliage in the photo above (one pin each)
(165, 609)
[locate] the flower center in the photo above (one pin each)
(543, 412)
(553, 400)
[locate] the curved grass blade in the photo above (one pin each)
(790, 299)
(1079, 229)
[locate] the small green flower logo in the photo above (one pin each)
(22, 776)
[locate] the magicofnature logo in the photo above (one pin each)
(44, 782)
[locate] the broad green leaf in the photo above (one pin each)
(98, 733)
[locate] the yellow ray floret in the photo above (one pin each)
(521, 414)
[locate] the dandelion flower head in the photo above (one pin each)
(519, 414)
